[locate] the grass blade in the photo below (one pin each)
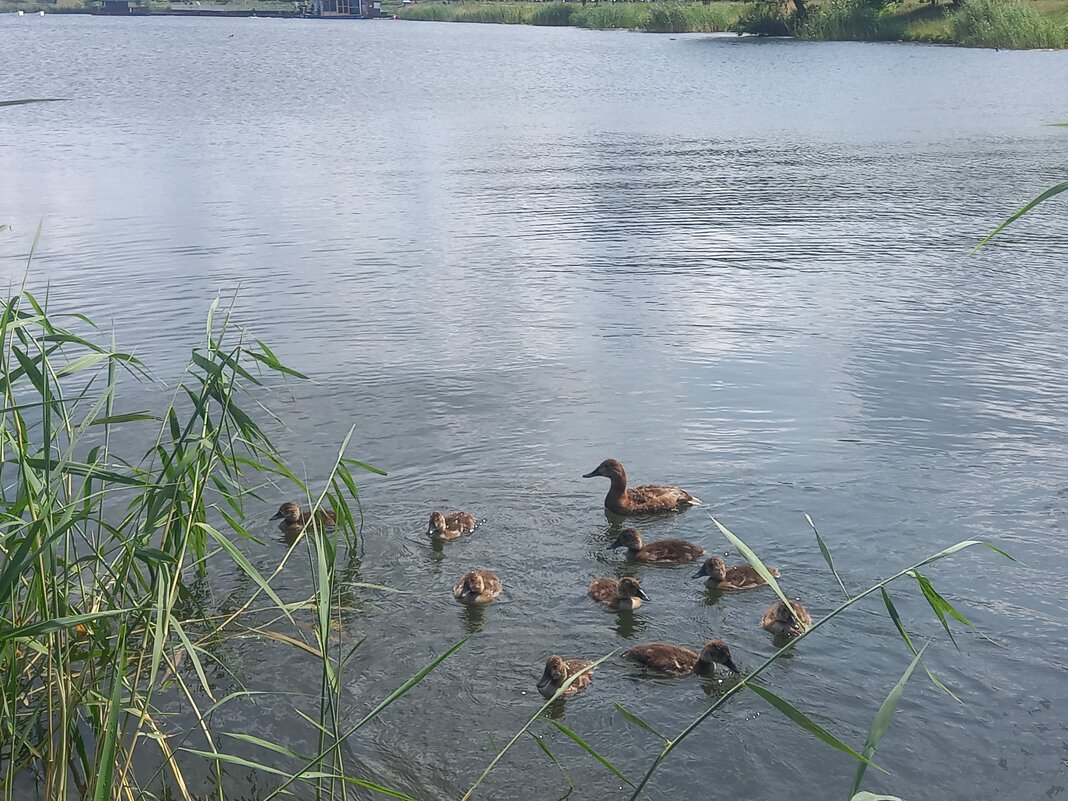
(806, 723)
(892, 611)
(754, 560)
(826, 555)
(589, 749)
(1020, 212)
(881, 722)
(630, 717)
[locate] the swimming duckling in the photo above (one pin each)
(783, 622)
(674, 659)
(625, 594)
(661, 551)
(294, 519)
(558, 670)
(736, 577)
(450, 526)
(477, 587)
(646, 499)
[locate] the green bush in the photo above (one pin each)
(850, 20)
(552, 14)
(1005, 23)
(765, 18)
(604, 16)
(668, 18)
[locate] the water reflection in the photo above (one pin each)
(473, 617)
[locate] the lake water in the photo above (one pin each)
(507, 253)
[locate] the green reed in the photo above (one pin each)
(102, 546)
(653, 17)
(1005, 24)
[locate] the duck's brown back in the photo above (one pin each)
(583, 681)
(604, 590)
(670, 550)
(744, 577)
(460, 522)
(664, 657)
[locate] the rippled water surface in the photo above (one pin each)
(507, 253)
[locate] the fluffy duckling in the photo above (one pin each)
(784, 622)
(624, 594)
(646, 499)
(294, 518)
(661, 552)
(558, 670)
(678, 661)
(736, 577)
(477, 587)
(450, 526)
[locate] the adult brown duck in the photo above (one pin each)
(735, 577)
(669, 551)
(625, 594)
(477, 587)
(782, 621)
(451, 525)
(294, 519)
(664, 657)
(646, 499)
(558, 670)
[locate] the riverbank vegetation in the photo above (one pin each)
(1006, 24)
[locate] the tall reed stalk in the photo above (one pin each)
(102, 541)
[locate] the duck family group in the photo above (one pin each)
(483, 586)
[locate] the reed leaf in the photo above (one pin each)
(589, 749)
(826, 555)
(630, 717)
(753, 559)
(881, 722)
(808, 724)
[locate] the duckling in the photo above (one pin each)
(450, 526)
(660, 552)
(736, 577)
(624, 594)
(558, 670)
(667, 658)
(294, 519)
(477, 587)
(646, 499)
(784, 622)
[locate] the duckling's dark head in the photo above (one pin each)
(436, 525)
(629, 538)
(555, 672)
(715, 568)
(288, 512)
(715, 652)
(630, 587)
(609, 468)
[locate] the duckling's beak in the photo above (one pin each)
(699, 573)
(277, 516)
(617, 544)
(591, 474)
(641, 594)
(544, 681)
(729, 664)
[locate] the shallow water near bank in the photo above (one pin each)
(505, 253)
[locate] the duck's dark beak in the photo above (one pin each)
(591, 474)
(617, 544)
(277, 516)
(729, 664)
(642, 595)
(699, 573)
(544, 681)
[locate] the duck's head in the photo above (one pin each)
(715, 568)
(609, 468)
(629, 538)
(630, 587)
(555, 672)
(715, 652)
(473, 585)
(288, 512)
(436, 526)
